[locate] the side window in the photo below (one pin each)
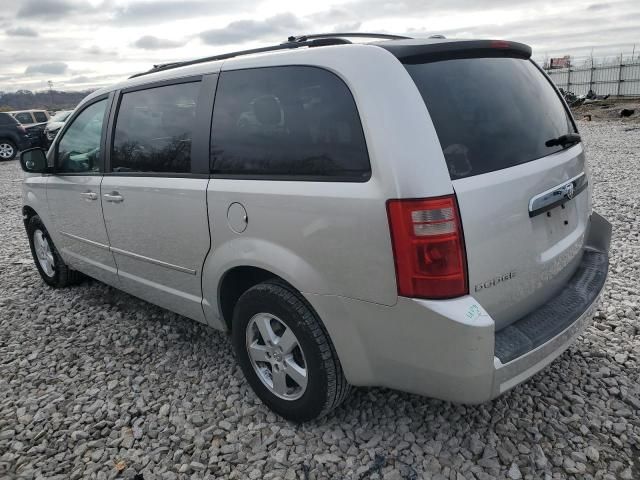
(154, 128)
(24, 117)
(40, 117)
(287, 121)
(79, 146)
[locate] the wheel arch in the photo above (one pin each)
(9, 137)
(28, 213)
(237, 280)
(244, 262)
(240, 278)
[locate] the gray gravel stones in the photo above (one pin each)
(95, 384)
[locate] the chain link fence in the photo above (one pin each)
(619, 78)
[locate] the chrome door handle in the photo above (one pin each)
(113, 197)
(89, 195)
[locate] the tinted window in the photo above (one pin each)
(6, 119)
(79, 147)
(40, 116)
(24, 117)
(490, 113)
(287, 121)
(154, 129)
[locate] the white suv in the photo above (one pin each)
(29, 118)
(413, 214)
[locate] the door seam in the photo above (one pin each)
(106, 229)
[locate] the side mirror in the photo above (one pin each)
(34, 160)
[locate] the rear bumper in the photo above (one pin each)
(449, 349)
(534, 341)
(510, 374)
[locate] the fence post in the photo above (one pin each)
(619, 76)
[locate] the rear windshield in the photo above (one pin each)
(490, 113)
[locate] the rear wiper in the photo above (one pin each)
(564, 140)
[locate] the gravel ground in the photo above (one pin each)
(97, 384)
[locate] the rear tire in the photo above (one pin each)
(8, 150)
(293, 367)
(49, 263)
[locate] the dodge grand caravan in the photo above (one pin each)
(414, 214)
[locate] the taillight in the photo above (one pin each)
(428, 247)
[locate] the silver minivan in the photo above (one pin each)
(413, 214)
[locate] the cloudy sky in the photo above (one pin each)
(79, 44)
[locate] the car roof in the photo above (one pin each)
(213, 66)
(26, 111)
(402, 47)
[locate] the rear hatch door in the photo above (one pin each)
(517, 168)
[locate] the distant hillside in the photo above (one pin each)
(54, 100)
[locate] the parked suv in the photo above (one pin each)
(34, 121)
(31, 117)
(13, 137)
(413, 214)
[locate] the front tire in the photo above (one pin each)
(48, 261)
(8, 150)
(286, 354)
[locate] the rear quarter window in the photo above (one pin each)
(6, 119)
(40, 116)
(287, 122)
(490, 113)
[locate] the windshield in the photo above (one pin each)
(61, 116)
(490, 113)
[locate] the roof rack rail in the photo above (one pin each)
(315, 40)
(348, 34)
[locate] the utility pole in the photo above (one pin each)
(50, 83)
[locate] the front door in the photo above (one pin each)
(73, 195)
(154, 202)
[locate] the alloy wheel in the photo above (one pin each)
(6, 150)
(276, 356)
(44, 252)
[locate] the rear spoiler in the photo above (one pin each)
(412, 52)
